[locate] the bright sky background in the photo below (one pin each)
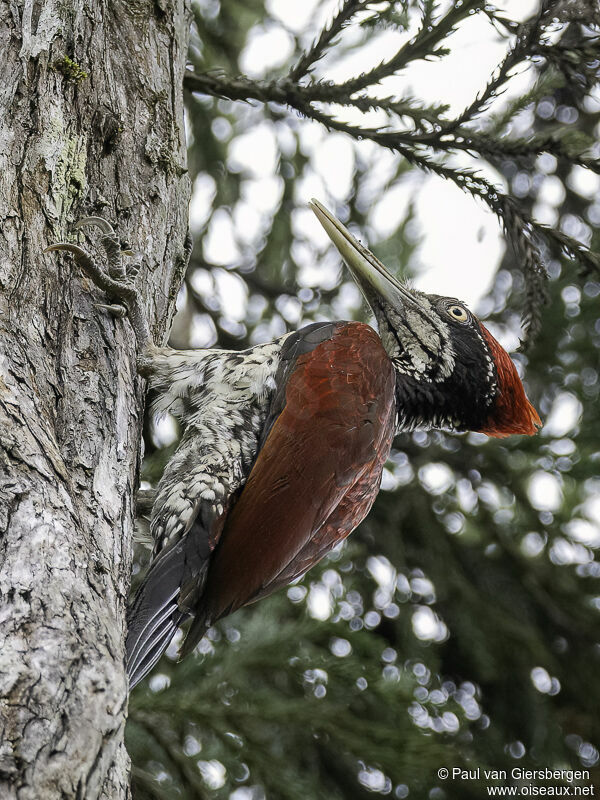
(462, 242)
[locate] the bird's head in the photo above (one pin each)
(450, 371)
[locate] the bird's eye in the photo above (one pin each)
(459, 313)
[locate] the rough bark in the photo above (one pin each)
(91, 122)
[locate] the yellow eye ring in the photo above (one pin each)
(458, 313)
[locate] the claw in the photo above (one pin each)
(126, 248)
(114, 310)
(99, 222)
(68, 246)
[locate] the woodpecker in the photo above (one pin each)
(284, 444)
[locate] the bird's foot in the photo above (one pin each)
(116, 280)
(144, 500)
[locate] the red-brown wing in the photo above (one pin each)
(349, 513)
(328, 444)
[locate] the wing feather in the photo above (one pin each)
(334, 431)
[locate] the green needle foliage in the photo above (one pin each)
(458, 627)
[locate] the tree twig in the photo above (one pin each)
(326, 37)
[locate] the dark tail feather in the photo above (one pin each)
(153, 647)
(197, 630)
(154, 614)
(169, 593)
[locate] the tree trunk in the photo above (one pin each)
(91, 122)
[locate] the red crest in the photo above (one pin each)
(512, 413)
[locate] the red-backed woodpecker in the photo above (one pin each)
(284, 444)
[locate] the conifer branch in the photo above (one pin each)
(422, 133)
(425, 44)
(326, 37)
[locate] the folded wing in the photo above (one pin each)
(315, 477)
